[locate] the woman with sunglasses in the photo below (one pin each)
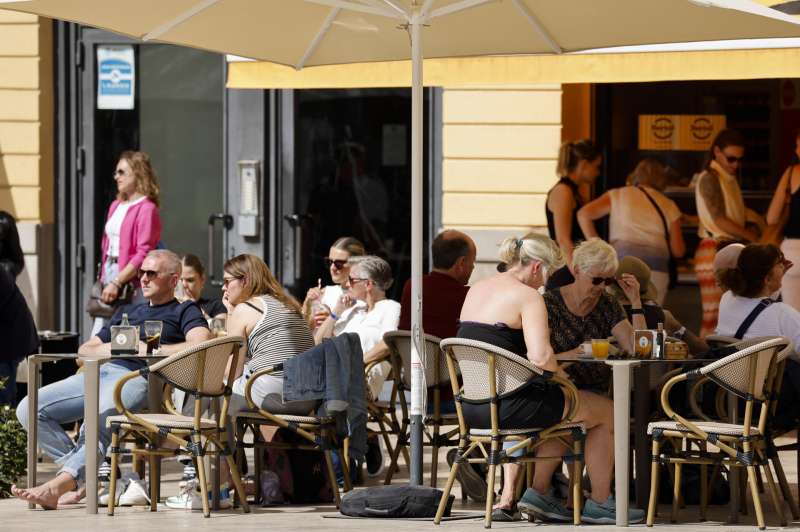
(752, 284)
(723, 217)
(584, 310)
(133, 227)
(320, 300)
(787, 197)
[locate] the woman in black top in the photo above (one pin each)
(786, 195)
(507, 310)
(578, 167)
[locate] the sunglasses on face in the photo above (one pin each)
(150, 274)
(119, 171)
(600, 280)
(228, 280)
(354, 280)
(732, 159)
(336, 263)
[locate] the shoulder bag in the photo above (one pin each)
(672, 266)
(97, 308)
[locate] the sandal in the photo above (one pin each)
(506, 514)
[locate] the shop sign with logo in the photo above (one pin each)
(116, 76)
(679, 132)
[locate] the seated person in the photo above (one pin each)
(757, 277)
(376, 315)
(62, 402)
(653, 312)
(18, 332)
(272, 322)
(320, 300)
(507, 310)
(193, 280)
(583, 310)
(726, 259)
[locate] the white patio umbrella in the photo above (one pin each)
(302, 33)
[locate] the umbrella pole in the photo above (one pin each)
(418, 387)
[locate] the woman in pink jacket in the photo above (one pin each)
(133, 225)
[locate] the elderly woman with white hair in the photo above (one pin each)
(584, 310)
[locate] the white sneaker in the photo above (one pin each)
(102, 495)
(189, 498)
(135, 494)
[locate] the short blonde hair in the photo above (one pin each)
(375, 269)
(595, 256)
(171, 260)
(529, 248)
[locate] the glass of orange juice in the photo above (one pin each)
(600, 348)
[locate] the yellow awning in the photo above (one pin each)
(520, 70)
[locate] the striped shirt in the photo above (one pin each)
(280, 334)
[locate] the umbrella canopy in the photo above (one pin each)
(302, 33)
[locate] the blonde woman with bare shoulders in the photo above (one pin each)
(507, 310)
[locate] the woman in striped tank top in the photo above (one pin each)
(272, 322)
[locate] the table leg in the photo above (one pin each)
(33, 428)
(90, 419)
(641, 416)
(733, 474)
(215, 478)
(622, 406)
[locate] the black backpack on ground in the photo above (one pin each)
(396, 501)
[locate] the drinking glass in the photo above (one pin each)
(152, 331)
(600, 348)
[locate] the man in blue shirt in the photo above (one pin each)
(62, 402)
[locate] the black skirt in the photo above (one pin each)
(536, 404)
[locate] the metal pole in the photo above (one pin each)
(417, 344)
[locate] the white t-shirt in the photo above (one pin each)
(778, 319)
(635, 228)
(114, 225)
(331, 295)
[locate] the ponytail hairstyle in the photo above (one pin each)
(194, 262)
(750, 275)
(725, 138)
(351, 245)
(573, 152)
(529, 248)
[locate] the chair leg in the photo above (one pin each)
(153, 470)
(490, 493)
(112, 488)
(777, 501)
(784, 485)
(751, 479)
(394, 464)
(434, 456)
(332, 478)
(237, 478)
(577, 474)
(258, 462)
(654, 480)
(201, 474)
(676, 494)
(446, 495)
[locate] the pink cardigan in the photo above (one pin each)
(140, 233)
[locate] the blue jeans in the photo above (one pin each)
(8, 389)
(62, 402)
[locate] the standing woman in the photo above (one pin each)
(786, 196)
(578, 167)
(637, 214)
(133, 226)
(723, 217)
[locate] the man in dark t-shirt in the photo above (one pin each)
(62, 402)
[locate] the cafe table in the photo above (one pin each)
(91, 371)
(622, 370)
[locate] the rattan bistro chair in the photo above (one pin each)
(199, 371)
(319, 432)
(747, 374)
(488, 373)
(436, 375)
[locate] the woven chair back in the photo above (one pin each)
(200, 369)
(748, 368)
(399, 343)
(474, 360)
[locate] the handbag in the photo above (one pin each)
(773, 233)
(672, 264)
(97, 308)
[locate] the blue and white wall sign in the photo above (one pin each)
(116, 76)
